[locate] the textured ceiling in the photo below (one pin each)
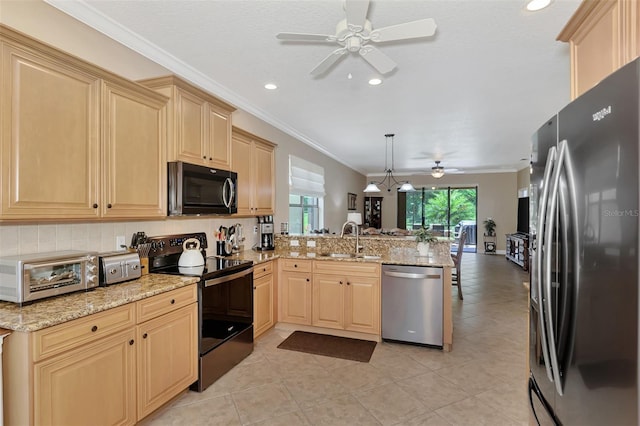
(470, 96)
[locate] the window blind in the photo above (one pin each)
(305, 178)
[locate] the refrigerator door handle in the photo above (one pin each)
(548, 236)
(551, 159)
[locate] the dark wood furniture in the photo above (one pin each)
(518, 249)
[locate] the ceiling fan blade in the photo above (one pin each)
(305, 37)
(329, 61)
(356, 11)
(377, 59)
(414, 29)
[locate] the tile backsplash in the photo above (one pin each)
(101, 237)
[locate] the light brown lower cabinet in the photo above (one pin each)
(94, 384)
(295, 291)
(263, 298)
(346, 296)
(110, 368)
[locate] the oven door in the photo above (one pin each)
(226, 308)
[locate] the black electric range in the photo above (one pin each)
(225, 304)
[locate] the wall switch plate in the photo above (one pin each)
(294, 243)
(311, 243)
(120, 242)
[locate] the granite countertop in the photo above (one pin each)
(59, 309)
(56, 310)
(399, 257)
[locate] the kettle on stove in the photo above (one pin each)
(191, 255)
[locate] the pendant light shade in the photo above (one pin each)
(372, 187)
(406, 187)
(389, 180)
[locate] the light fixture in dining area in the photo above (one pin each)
(437, 171)
(389, 181)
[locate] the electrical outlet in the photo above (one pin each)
(294, 243)
(120, 242)
(311, 243)
(255, 229)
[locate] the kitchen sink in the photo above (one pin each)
(341, 255)
(351, 255)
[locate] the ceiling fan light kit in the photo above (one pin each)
(355, 33)
(437, 171)
(389, 181)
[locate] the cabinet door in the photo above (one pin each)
(241, 163)
(596, 48)
(190, 118)
(362, 305)
(263, 179)
(94, 384)
(167, 357)
(328, 301)
(296, 298)
(262, 304)
(49, 138)
(134, 169)
(219, 152)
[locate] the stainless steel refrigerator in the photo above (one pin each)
(583, 337)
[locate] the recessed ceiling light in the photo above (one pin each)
(535, 5)
(349, 76)
(375, 81)
(270, 86)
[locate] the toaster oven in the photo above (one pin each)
(29, 277)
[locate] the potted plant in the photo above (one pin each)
(424, 236)
(490, 227)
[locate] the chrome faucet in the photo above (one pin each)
(355, 227)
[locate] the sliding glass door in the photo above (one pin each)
(446, 211)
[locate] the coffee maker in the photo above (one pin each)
(265, 233)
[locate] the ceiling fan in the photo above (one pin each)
(354, 34)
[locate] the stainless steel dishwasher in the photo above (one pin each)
(412, 304)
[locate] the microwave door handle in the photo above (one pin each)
(232, 190)
(226, 202)
(553, 201)
(542, 207)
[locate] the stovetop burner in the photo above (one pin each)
(166, 250)
(214, 266)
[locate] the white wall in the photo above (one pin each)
(339, 179)
(47, 24)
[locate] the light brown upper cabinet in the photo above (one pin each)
(253, 159)
(133, 157)
(76, 141)
(199, 125)
(603, 36)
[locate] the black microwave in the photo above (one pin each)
(195, 190)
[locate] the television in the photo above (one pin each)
(523, 215)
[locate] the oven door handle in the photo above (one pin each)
(224, 279)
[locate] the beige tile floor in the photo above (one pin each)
(481, 382)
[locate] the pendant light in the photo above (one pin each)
(389, 181)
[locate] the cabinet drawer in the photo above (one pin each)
(166, 302)
(349, 268)
(296, 265)
(54, 340)
(262, 269)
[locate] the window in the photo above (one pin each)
(306, 196)
(446, 211)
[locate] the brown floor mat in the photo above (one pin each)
(334, 346)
